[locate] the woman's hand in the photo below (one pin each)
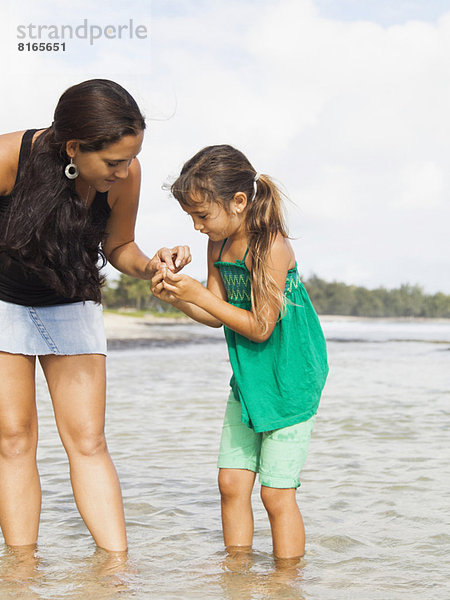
(182, 287)
(174, 258)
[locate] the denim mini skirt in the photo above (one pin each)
(65, 329)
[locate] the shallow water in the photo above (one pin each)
(375, 492)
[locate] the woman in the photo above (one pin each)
(64, 191)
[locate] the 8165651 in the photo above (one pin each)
(41, 47)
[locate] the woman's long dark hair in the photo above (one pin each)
(49, 228)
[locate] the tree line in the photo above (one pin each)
(331, 298)
(337, 298)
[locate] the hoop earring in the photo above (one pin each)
(71, 170)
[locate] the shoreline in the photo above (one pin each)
(350, 318)
(150, 327)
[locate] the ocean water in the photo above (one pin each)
(375, 494)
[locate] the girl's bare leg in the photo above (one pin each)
(20, 491)
(288, 531)
(77, 386)
(235, 487)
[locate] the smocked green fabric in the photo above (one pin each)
(278, 382)
(236, 279)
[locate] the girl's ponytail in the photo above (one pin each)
(264, 220)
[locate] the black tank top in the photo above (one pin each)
(17, 283)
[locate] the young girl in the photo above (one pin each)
(276, 346)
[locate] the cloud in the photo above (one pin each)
(351, 116)
(423, 186)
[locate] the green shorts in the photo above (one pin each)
(278, 456)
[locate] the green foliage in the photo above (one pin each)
(337, 298)
(131, 293)
(331, 298)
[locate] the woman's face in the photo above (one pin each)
(103, 168)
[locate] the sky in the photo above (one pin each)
(344, 103)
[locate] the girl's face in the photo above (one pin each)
(213, 220)
(103, 168)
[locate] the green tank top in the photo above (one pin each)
(278, 382)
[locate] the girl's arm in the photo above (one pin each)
(189, 309)
(242, 321)
(214, 284)
(119, 247)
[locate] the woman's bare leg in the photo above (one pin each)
(77, 386)
(20, 491)
(235, 487)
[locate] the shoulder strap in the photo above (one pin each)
(223, 244)
(24, 153)
(245, 255)
(25, 149)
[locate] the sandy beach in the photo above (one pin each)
(119, 327)
(131, 332)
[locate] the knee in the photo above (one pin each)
(17, 441)
(86, 443)
(233, 485)
(227, 485)
(276, 500)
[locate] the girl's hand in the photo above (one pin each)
(157, 286)
(182, 287)
(174, 258)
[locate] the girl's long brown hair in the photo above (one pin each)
(217, 173)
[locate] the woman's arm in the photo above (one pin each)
(120, 248)
(242, 321)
